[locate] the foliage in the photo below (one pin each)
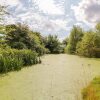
(12, 59)
(9, 64)
(84, 43)
(75, 37)
(53, 44)
(90, 45)
(98, 27)
(65, 41)
(68, 49)
(37, 43)
(92, 92)
(21, 37)
(17, 36)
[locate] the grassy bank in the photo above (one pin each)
(92, 92)
(12, 59)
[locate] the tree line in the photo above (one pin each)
(83, 43)
(21, 46)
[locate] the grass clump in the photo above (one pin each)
(92, 92)
(14, 60)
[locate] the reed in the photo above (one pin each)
(14, 60)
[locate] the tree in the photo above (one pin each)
(75, 36)
(90, 45)
(21, 37)
(65, 41)
(53, 44)
(18, 36)
(37, 43)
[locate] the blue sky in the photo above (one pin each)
(53, 16)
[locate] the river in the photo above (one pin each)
(58, 77)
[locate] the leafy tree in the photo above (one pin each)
(90, 45)
(21, 37)
(37, 43)
(53, 44)
(17, 36)
(65, 41)
(75, 36)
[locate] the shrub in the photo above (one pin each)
(9, 64)
(12, 59)
(19, 45)
(29, 57)
(41, 50)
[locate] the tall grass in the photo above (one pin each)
(12, 59)
(92, 91)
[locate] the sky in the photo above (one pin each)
(55, 17)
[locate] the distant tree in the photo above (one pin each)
(98, 27)
(53, 44)
(75, 36)
(65, 41)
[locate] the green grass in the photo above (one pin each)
(92, 92)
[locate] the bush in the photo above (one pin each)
(19, 45)
(41, 50)
(29, 57)
(9, 64)
(12, 59)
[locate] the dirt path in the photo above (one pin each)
(59, 77)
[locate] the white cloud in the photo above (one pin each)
(42, 23)
(60, 23)
(87, 11)
(9, 2)
(49, 7)
(25, 12)
(79, 24)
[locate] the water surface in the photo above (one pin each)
(59, 77)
